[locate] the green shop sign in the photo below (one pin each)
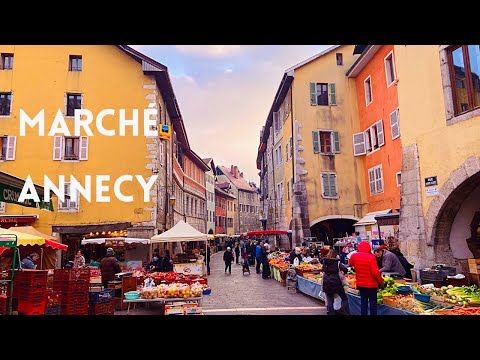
(10, 194)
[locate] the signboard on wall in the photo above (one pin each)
(431, 191)
(431, 181)
(164, 132)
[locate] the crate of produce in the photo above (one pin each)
(31, 277)
(474, 266)
(105, 308)
(74, 298)
(33, 292)
(97, 297)
(28, 307)
(71, 274)
(71, 286)
(53, 310)
(75, 309)
(54, 298)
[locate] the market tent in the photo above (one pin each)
(23, 238)
(126, 240)
(267, 232)
(369, 218)
(182, 231)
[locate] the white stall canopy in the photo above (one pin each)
(369, 218)
(182, 231)
(126, 240)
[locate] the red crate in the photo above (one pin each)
(106, 308)
(27, 307)
(71, 286)
(32, 293)
(30, 278)
(74, 298)
(3, 304)
(71, 274)
(75, 309)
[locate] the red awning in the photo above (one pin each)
(56, 245)
(267, 232)
(2, 249)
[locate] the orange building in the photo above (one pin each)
(379, 138)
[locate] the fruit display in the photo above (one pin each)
(171, 277)
(314, 277)
(308, 267)
(173, 290)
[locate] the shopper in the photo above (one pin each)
(30, 260)
(390, 262)
(295, 254)
(207, 259)
(258, 256)
(79, 260)
(167, 262)
(368, 277)
(406, 265)
(266, 273)
(237, 252)
(332, 283)
(228, 258)
(109, 266)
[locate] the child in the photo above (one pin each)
(245, 267)
(148, 282)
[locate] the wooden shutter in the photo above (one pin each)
(336, 142)
(371, 180)
(313, 93)
(379, 179)
(316, 142)
(394, 124)
(57, 147)
(332, 185)
(11, 146)
(359, 147)
(380, 133)
(332, 94)
(83, 148)
(325, 185)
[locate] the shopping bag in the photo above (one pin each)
(341, 275)
(337, 302)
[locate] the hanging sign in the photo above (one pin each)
(431, 181)
(165, 132)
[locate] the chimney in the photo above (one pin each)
(231, 170)
(241, 174)
(235, 171)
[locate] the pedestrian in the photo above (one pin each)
(29, 261)
(258, 256)
(332, 283)
(109, 266)
(228, 258)
(79, 260)
(403, 260)
(207, 259)
(368, 277)
(390, 262)
(167, 262)
(265, 265)
(237, 252)
(295, 254)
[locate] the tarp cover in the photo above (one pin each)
(267, 232)
(126, 240)
(182, 231)
(369, 219)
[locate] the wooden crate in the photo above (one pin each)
(473, 279)
(474, 266)
(390, 300)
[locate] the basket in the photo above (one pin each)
(32, 293)
(71, 274)
(31, 278)
(103, 296)
(390, 300)
(422, 297)
(132, 295)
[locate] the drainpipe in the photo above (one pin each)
(293, 159)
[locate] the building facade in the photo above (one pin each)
(210, 190)
(440, 216)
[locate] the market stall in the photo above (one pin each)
(133, 251)
(184, 232)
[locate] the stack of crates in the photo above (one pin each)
(102, 302)
(53, 303)
(74, 285)
(30, 287)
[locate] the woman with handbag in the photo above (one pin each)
(332, 281)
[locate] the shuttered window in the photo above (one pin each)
(375, 179)
(395, 124)
(323, 94)
(329, 185)
(326, 142)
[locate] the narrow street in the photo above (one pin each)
(239, 294)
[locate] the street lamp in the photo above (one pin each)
(172, 200)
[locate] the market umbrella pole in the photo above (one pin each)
(41, 258)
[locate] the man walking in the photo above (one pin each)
(258, 256)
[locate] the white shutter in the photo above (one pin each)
(64, 205)
(2, 207)
(57, 147)
(372, 131)
(81, 102)
(83, 148)
(313, 93)
(332, 94)
(379, 179)
(359, 144)
(162, 150)
(65, 101)
(394, 124)
(333, 185)
(371, 180)
(275, 122)
(381, 134)
(325, 186)
(11, 146)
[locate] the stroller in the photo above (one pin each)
(245, 267)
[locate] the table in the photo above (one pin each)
(311, 288)
(163, 301)
(382, 309)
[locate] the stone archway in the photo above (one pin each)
(443, 210)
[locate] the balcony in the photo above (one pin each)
(71, 157)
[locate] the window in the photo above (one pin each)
(70, 148)
(464, 65)
(370, 140)
(339, 59)
(7, 147)
(329, 185)
(368, 90)
(277, 121)
(7, 61)
(399, 178)
(2, 207)
(323, 94)
(74, 101)
(395, 124)
(75, 63)
(390, 69)
(326, 142)
(5, 103)
(69, 204)
(375, 179)
(279, 155)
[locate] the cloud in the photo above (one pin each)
(228, 71)
(210, 51)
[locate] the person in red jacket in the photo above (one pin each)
(368, 276)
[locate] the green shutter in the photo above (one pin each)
(313, 93)
(336, 142)
(332, 95)
(316, 142)
(326, 187)
(333, 188)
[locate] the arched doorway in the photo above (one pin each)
(330, 227)
(453, 218)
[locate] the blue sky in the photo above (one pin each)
(225, 92)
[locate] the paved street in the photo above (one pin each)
(250, 294)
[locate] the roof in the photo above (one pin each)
(196, 159)
(223, 192)
(314, 57)
(240, 183)
(363, 60)
(359, 49)
(369, 218)
(211, 164)
(388, 219)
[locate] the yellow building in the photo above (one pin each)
(438, 92)
(64, 78)
(315, 108)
